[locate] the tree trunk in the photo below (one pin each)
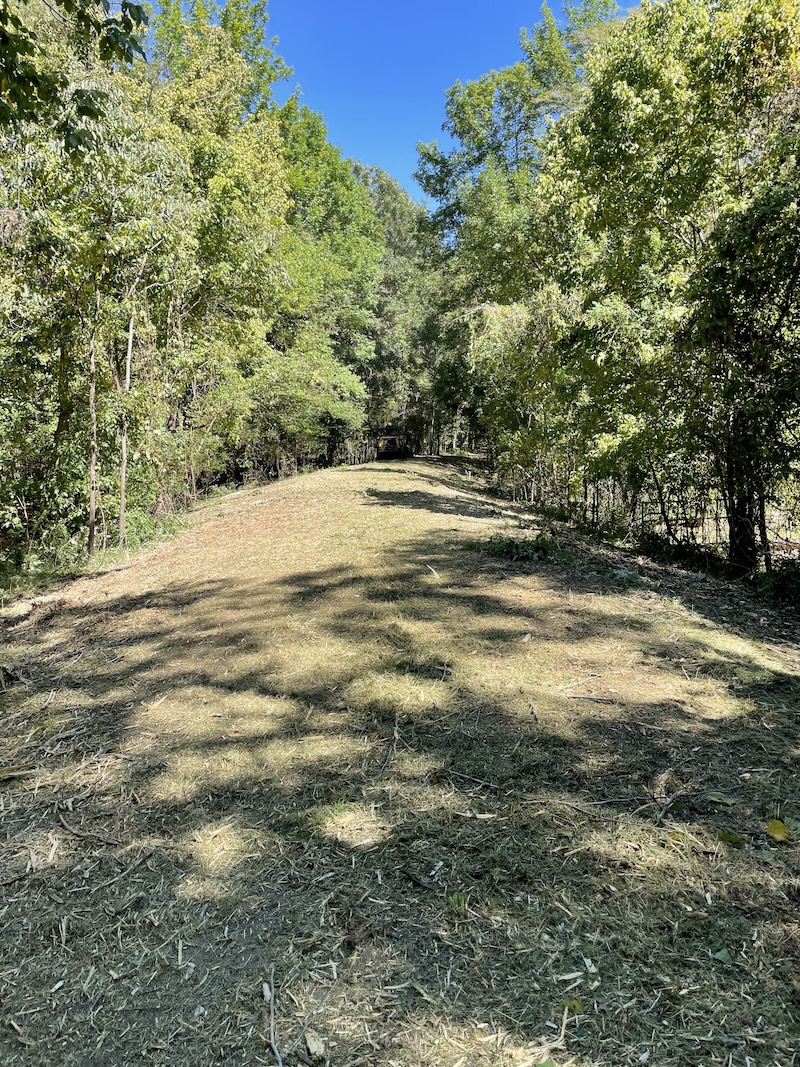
(65, 404)
(740, 499)
(762, 528)
(123, 474)
(742, 550)
(123, 435)
(124, 432)
(93, 429)
(662, 504)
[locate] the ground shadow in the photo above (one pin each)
(414, 790)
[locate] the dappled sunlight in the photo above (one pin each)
(416, 766)
(426, 783)
(203, 712)
(356, 826)
(409, 687)
(189, 772)
(217, 848)
(644, 851)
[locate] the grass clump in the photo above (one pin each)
(523, 549)
(457, 903)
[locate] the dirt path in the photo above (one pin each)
(472, 809)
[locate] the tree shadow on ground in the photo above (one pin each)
(457, 504)
(470, 812)
(589, 565)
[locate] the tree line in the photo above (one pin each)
(195, 285)
(620, 223)
(604, 292)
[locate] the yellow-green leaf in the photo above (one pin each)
(778, 831)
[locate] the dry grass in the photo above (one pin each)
(332, 779)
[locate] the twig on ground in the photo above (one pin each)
(563, 1033)
(540, 802)
(670, 802)
(84, 833)
(479, 781)
(391, 752)
(273, 1041)
(123, 874)
(595, 700)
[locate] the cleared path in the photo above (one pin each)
(474, 790)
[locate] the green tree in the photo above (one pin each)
(667, 143)
(32, 89)
(668, 370)
(498, 121)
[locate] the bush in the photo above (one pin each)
(783, 582)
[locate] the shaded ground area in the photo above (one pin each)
(470, 804)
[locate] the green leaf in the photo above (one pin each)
(730, 837)
(768, 856)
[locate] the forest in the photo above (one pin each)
(602, 295)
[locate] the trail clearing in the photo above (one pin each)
(363, 770)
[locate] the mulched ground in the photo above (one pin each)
(370, 768)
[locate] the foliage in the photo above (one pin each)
(195, 285)
(32, 90)
(207, 291)
(630, 269)
(522, 549)
(499, 121)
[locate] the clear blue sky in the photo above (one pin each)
(378, 72)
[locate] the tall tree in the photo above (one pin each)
(498, 121)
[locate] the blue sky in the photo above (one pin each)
(378, 72)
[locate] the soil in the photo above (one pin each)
(369, 767)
